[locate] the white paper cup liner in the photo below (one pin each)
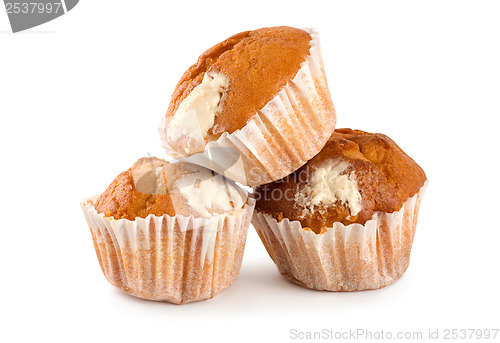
(175, 259)
(344, 258)
(287, 132)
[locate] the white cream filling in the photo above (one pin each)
(196, 113)
(206, 192)
(328, 184)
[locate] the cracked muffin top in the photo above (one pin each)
(355, 175)
(231, 81)
(157, 187)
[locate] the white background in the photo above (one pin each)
(80, 100)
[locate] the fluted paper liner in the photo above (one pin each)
(302, 112)
(344, 258)
(176, 259)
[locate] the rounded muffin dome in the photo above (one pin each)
(157, 187)
(253, 95)
(170, 231)
(254, 66)
(355, 175)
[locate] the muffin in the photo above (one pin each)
(247, 102)
(345, 221)
(170, 231)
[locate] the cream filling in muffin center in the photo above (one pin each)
(328, 184)
(207, 193)
(196, 113)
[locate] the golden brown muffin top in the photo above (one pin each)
(122, 200)
(372, 170)
(154, 186)
(258, 64)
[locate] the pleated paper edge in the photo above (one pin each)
(344, 258)
(134, 256)
(268, 150)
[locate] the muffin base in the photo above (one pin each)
(175, 259)
(344, 258)
(267, 146)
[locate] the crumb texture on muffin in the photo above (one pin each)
(122, 199)
(157, 187)
(251, 68)
(355, 175)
